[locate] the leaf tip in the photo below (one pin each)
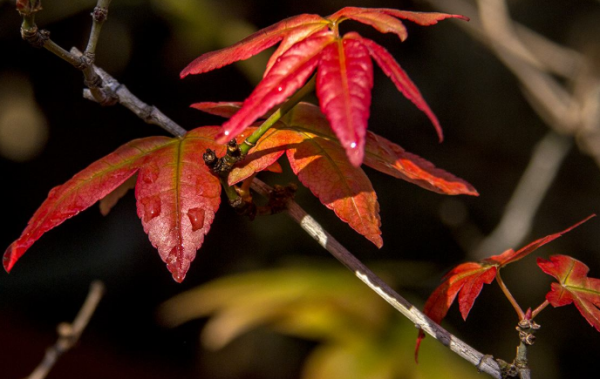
(420, 338)
(10, 258)
(178, 271)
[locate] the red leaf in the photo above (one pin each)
(389, 158)
(345, 70)
(82, 191)
(574, 286)
(421, 18)
(177, 196)
(265, 154)
(392, 69)
(289, 74)
(223, 108)
(251, 45)
(373, 17)
(510, 256)
(380, 153)
(344, 83)
(323, 167)
(298, 34)
(468, 278)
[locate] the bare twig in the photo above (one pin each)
(68, 334)
(123, 96)
(484, 363)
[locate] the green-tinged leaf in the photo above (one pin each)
(574, 286)
(467, 279)
(82, 191)
(177, 195)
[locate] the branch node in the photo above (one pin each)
(279, 196)
(86, 60)
(100, 14)
(36, 38)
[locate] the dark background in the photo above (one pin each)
(489, 127)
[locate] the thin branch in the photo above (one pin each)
(149, 113)
(68, 334)
(484, 363)
(91, 79)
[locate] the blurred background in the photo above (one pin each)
(517, 92)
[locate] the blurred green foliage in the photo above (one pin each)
(358, 335)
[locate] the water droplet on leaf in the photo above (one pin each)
(173, 266)
(196, 216)
(151, 207)
(150, 173)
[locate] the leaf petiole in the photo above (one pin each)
(251, 141)
(539, 309)
(509, 296)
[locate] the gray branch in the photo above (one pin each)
(68, 334)
(484, 363)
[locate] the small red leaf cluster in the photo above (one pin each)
(467, 279)
(318, 158)
(177, 194)
(343, 64)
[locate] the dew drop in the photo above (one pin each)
(226, 132)
(173, 266)
(353, 145)
(150, 173)
(280, 89)
(196, 216)
(151, 207)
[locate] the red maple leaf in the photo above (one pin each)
(467, 279)
(573, 286)
(177, 195)
(318, 158)
(343, 64)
